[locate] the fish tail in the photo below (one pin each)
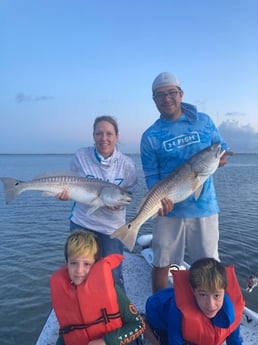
(127, 234)
(11, 188)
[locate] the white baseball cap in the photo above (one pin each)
(164, 79)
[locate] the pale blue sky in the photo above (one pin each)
(62, 63)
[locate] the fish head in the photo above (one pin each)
(206, 161)
(115, 196)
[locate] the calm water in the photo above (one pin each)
(34, 229)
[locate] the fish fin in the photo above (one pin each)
(57, 174)
(197, 193)
(155, 215)
(11, 188)
(142, 202)
(92, 210)
(48, 194)
(127, 234)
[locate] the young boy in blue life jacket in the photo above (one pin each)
(204, 306)
(90, 309)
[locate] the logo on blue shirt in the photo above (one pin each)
(181, 141)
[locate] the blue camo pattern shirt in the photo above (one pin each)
(167, 144)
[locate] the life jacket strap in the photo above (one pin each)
(104, 318)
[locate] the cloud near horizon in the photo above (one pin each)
(240, 138)
(21, 97)
(235, 113)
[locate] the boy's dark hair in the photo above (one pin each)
(209, 274)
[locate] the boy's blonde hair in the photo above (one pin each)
(209, 274)
(82, 242)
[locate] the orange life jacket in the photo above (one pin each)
(92, 307)
(196, 327)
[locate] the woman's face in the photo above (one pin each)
(105, 138)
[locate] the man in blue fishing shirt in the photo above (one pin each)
(179, 133)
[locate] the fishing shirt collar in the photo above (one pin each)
(104, 161)
(190, 111)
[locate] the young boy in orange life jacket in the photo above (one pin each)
(90, 309)
(204, 307)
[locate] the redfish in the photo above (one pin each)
(89, 191)
(184, 181)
